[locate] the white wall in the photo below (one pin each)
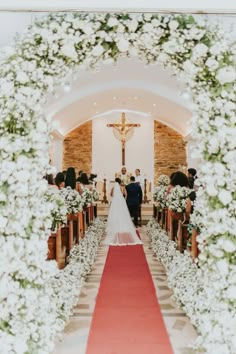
(107, 158)
(56, 153)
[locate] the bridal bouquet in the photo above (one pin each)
(176, 200)
(58, 207)
(74, 201)
(159, 196)
(87, 197)
(163, 180)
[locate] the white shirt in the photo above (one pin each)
(140, 180)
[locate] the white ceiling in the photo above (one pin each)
(129, 85)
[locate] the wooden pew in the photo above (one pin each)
(56, 249)
(182, 236)
(174, 219)
(194, 248)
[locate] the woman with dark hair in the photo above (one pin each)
(49, 179)
(60, 180)
(180, 179)
(83, 183)
(192, 175)
(122, 188)
(70, 180)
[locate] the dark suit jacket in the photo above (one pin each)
(134, 194)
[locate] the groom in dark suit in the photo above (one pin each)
(134, 199)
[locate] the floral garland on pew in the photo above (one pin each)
(53, 48)
(67, 282)
(184, 277)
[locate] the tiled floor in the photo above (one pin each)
(180, 330)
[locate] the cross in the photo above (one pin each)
(123, 128)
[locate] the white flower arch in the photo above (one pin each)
(54, 47)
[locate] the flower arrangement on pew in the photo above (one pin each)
(95, 195)
(159, 193)
(58, 207)
(176, 200)
(87, 197)
(66, 284)
(184, 277)
(74, 201)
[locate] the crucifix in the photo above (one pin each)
(123, 128)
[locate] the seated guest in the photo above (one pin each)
(79, 174)
(49, 179)
(192, 175)
(70, 180)
(180, 179)
(84, 183)
(60, 180)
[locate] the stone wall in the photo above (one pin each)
(77, 148)
(169, 150)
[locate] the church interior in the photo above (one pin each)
(126, 114)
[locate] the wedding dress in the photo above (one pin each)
(120, 228)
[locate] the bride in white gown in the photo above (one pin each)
(120, 228)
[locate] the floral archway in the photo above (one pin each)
(55, 47)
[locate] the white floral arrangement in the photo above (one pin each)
(87, 197)
(74, 201)
(163, 180)
(52, 49)
(159, 196)
(184, 277)
(58, 207)
(67, 282)
(95, 195)
(177, 198)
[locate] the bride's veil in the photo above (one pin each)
(119, 220)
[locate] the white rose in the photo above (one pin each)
(231, 292)
(171, 46)
(132, 25)
(112, 22)
(223, 266)
(226, 75)
(123, 45)
(200, 50)
(97, 50)
(173, 25)
(69, 51)
(148, 27)
(211, 190)
(229, 246)
(3, 222)
(225, 197)
(7, 88)
(22, 77)
(212, 64)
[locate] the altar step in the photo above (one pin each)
(147, 211)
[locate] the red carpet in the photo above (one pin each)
(127, 317)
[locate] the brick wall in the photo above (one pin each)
(169, 150)
(77, 148)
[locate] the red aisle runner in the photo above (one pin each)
(127, 317)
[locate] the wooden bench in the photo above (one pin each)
(56, 249)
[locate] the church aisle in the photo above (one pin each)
(178, 326)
